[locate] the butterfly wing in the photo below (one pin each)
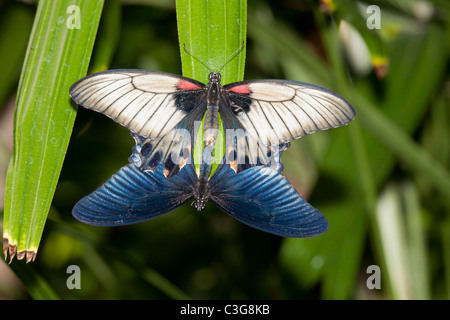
(243, 149)
(174, 149)
(274, 112)
(132, 195)
(148, 103)
(264, 199)
(159, 108)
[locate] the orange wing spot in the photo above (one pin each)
(233, 165)
(166, 172)
(243, 89)
(183, 163)
(186, 85)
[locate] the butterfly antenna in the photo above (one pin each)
(222, 65)
(231, 56)
(198, 58)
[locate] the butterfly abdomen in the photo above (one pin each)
(211, 125)
(210, 131)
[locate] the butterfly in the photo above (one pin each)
(207, 142)
(260, 197)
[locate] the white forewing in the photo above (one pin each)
(128, 115)
(142, 101)
(160, 83)
(281, 111)
(273, 92)
(161, 109)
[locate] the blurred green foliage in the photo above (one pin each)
(381, 181)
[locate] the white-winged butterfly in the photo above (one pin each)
(207, 142)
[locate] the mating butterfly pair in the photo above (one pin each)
(171, 162)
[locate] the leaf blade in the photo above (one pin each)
(44, 117)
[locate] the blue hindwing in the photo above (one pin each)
(132, 195)
(264, 199)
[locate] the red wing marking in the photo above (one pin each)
(243, 89)
(186, 85)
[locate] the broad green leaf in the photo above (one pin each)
(58, 54)
(213, 31)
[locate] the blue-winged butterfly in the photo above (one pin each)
(180, 125)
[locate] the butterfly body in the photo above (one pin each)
(211, 124)
(207, 142)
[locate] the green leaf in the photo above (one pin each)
(44, 117)
(212, 31)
